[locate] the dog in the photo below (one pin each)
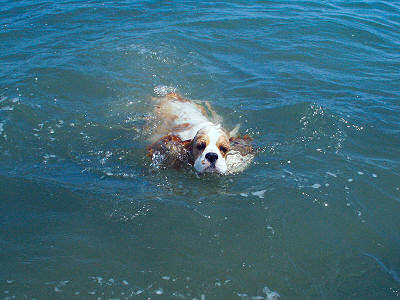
(190, 133)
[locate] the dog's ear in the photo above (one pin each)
(175, 150)
(166, 143)
(188, 145)
(234, 132)
(241, 144)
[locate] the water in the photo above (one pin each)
(85, 215)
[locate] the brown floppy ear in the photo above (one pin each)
(175, 150)
(188, 145)
(171, 143)
(159, 144)
(242, 144)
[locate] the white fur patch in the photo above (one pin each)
(214, 132)
(189, 113)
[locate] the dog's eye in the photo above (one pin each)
(223, 149)
(201, 146)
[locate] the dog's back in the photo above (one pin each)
(179, 116)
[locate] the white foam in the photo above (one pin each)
(63, 283)
(178, 295)
(360, 173)
(331, 174)
(46, 157)
(138, 292)
(159, 291)
(236, 162)
(374, 175)
(98, 279)
(316, 186)
(287, 171)
(259, 194)
(7, 108)
(163, 90)
(244, 195)
(270, 295)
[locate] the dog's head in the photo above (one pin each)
(209, 149)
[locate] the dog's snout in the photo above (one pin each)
(211, 157)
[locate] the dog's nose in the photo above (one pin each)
(211, 157)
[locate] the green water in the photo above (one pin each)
(85, 214)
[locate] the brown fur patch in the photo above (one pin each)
(223, 144)
(198, 140)
(182, 127)
(176, 151)
(242, 144)
(202, 109)
(177, 97)
(165, 140)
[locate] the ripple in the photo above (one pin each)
(314, 83)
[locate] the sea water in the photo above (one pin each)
(316, 215)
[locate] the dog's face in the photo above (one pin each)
(210, 146)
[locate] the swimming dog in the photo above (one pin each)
(191, 133)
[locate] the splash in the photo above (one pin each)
(259, 194)
(237, 162)
(163, 90)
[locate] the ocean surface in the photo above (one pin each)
(84, 214)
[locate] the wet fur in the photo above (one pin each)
(167, 136)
